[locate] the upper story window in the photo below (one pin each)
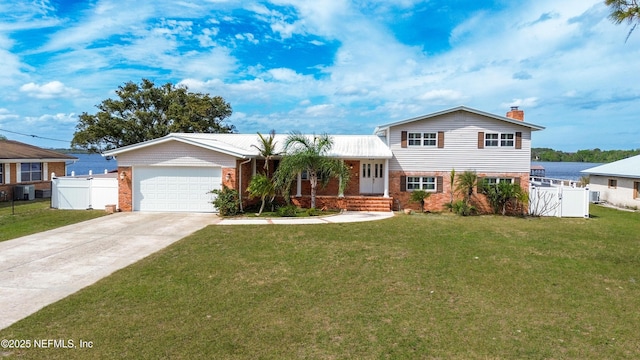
(426, 139)
(491, 140)
(422, 139)
(31, 172)
(499, 140)
(507, 140)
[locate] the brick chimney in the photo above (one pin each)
(516, 114)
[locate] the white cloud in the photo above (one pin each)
(442, 96)
(248, 37)
(49, 90)
(49, 119)
(321, 110)
(525, 103)
(6, 115)
(285, 75)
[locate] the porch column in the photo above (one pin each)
(299, 185)
(253, 167)
(340, 191)
(386, 178)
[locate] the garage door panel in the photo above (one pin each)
(175, 188)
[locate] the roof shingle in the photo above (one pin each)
(14, 150)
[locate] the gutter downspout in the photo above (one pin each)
(240, 183)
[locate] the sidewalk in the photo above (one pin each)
(345, 217)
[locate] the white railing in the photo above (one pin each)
(551, 182)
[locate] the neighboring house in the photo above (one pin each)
(23, 164)
(177, 172)
(618, 182)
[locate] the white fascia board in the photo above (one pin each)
(224, 150)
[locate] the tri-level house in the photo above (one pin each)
(178, 171)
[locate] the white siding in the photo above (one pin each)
(175, 153)
(622, 195)
(460, 150)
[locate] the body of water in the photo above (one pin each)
(564, 170)
(94, 162)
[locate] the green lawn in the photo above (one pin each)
(30, 217)
(419, 286)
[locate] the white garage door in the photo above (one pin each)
(175, 188)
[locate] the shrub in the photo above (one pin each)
(419, 196)
(227, 201)
(460, 207)
(288, 211)
(313, 212)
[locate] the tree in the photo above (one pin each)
(261, 186)
(624, 11)
(465, 184)
(304, 153)
(144, 112)
(501, 194)
(452, 180)
(419, 196)
(267, 149)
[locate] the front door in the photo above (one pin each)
(371, 177)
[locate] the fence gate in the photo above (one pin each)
(559, 201)
(70, 193)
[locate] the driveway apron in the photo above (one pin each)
(40, 269)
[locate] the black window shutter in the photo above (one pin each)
(403, 139)
(403, 183)
(439, 185)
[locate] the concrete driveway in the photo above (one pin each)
(40, 269)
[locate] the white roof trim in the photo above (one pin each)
(223, 148)
(459, 108)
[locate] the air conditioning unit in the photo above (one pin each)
(594, 197)
(24, 192)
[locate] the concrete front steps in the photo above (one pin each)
(368, 203)
(350, 203)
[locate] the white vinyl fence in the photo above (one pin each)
(559, 201)
(80, 193)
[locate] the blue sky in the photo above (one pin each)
(340, 67)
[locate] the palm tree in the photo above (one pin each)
(465, 184)
(452, 180)
(305, 153)
(261, 186)
(624, 10)
(267, 148)
(419, 196)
